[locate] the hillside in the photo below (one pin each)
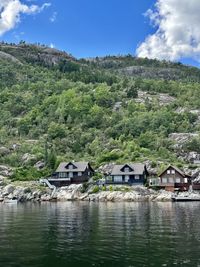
(55, 107)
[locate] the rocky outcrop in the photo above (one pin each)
(106, 169)
(34, 192)
(182, 138)
(163, 99)
(39, 165)
(75, 192)
(5, 171)
(28, 159)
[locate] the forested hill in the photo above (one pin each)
(113, 109)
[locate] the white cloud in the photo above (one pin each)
(10, 11)
(53, 17)
(177, 31)
(52, 45)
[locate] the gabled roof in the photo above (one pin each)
(176, 169)
(127, 166)
(137, 169)
(79, 167)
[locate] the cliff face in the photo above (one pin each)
(31, 53)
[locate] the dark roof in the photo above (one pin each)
(79, 167)
(137, 169)
(176, 169)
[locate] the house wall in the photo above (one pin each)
(75, 179)
(171, 178)
(126, 179)
(175, 180)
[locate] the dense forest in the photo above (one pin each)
(113, 109)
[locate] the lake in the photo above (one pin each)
(73, 234)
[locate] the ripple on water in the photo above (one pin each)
(100, 234)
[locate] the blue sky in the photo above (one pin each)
(88, 28)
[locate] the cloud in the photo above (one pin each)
(177, 32)
(10, 11)
(53, 17)
(52, 45)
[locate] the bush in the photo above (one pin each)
(84, 188)
(95, 189)
(28, 174)
(103, 188)
(111, 188)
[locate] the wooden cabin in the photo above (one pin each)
(71, 173)
(172, 178)
(132, 174)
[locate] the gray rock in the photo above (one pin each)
(4, 151)
(39, 165)
(28, 158)
(5, 171)
(8, 189)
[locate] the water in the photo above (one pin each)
(77, 234)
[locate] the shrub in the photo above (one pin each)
(84, 188)
(103, 188)
(111, 188)
(95, 189)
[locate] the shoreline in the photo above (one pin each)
(32, 191)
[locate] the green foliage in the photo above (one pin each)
(84, 187)
(28, 174)
(52, 160)
(111, 188)
(95, 189)
(193, 145)
(67, 110)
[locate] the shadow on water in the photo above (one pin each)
(77, 234)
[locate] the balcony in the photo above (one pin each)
(167, 184)
(54, 179)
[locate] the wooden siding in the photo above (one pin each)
(172, 179)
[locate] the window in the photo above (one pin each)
(178, 180)
(79, 173)
(70, 174)
(88, 173)
(168, 171)
(62, 175)
(173, 171)
(185, 180)
(126, 169)
(164, 180)
(126, 178)
(171, 180)
(70, 167)
(137, 177)
(118, 179)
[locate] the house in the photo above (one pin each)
(71, 173)
(133, 174)
(172, 179)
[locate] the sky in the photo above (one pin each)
(162, 29)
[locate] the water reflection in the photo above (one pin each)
(100, 234)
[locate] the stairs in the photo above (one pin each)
(52, 187)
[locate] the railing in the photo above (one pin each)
(166, 184)
(45, 181)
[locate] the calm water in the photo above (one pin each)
(106, 234)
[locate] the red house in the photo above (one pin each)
(173, 178)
